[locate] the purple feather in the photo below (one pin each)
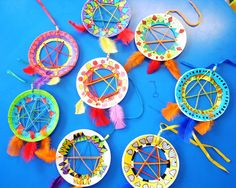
(57, 182)
(40, 81)
(186, 128)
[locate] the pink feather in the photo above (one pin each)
(117, 116)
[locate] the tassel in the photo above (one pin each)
(40, 81)
(45, 153)
(126, 36)
(28, 151)
(171, 111)
(99, 116)
(57, 182)
(78, 27)
(171, 65)
(117, 116)
(79, 107)
(29, 70)
(107, 45)
(203, 127)
(134, 60)
(54, 81)
(186, 129)
(153, 66)
(14, 147)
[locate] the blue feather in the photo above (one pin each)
(186, 128)
(57, 182)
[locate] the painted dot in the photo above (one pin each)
(117, 66)
(80, 79)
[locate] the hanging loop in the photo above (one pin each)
(48, 14)
(185, 18)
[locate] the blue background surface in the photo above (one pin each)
(211, 42)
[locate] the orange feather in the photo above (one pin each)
(134, 60)
(48, 156)
(171, 65)
(171, 111)
(203, 127)
(14, 147)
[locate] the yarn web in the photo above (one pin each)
(33, 115)
(54, 54)
(107, 83)
(202, 94)
(160, 38)
(149, 163)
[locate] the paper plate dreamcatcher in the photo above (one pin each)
(161, 38)
(52, 54)
(150, 161)
(202, 96)
(83, 158)
(32, 116)
(102, 83)
(103, 18)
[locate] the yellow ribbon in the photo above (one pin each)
(196, 142)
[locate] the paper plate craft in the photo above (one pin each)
(52, 54)
(202, 96)
(32, 117)
(160, 38)
(105, 18)
(102, 83)
(150, 161)
(83, 158)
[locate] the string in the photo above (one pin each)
(185, 18)
(48, 14)
(16, 76)
(196, 142)
(140, 101)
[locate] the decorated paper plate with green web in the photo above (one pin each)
(150, 162)
(33, 115)
(160, 37)
(106, 17)
(83, 158)
(102, 83)
(202, 94)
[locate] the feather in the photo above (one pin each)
(153, 66)
(203, 127)
(107, 45)
(171, 65)
(79, 107)
(57, 182)
(117, 116)
(78, 27)
(40, 81)
(186, 129)
(29, 70)
(134, 60)
(14, 147)
(171, 111)
(48, 156)
(45, 153)
(28, 151)
(99, 116)
(126, 36)
(54, 81)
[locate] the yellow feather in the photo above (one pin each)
(107, 45)
(79, 107)
(54, 81)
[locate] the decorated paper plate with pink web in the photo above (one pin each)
(54, 51)
(102, 83)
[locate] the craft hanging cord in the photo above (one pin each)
(196, 142)
(48, 14)
(185, 18)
